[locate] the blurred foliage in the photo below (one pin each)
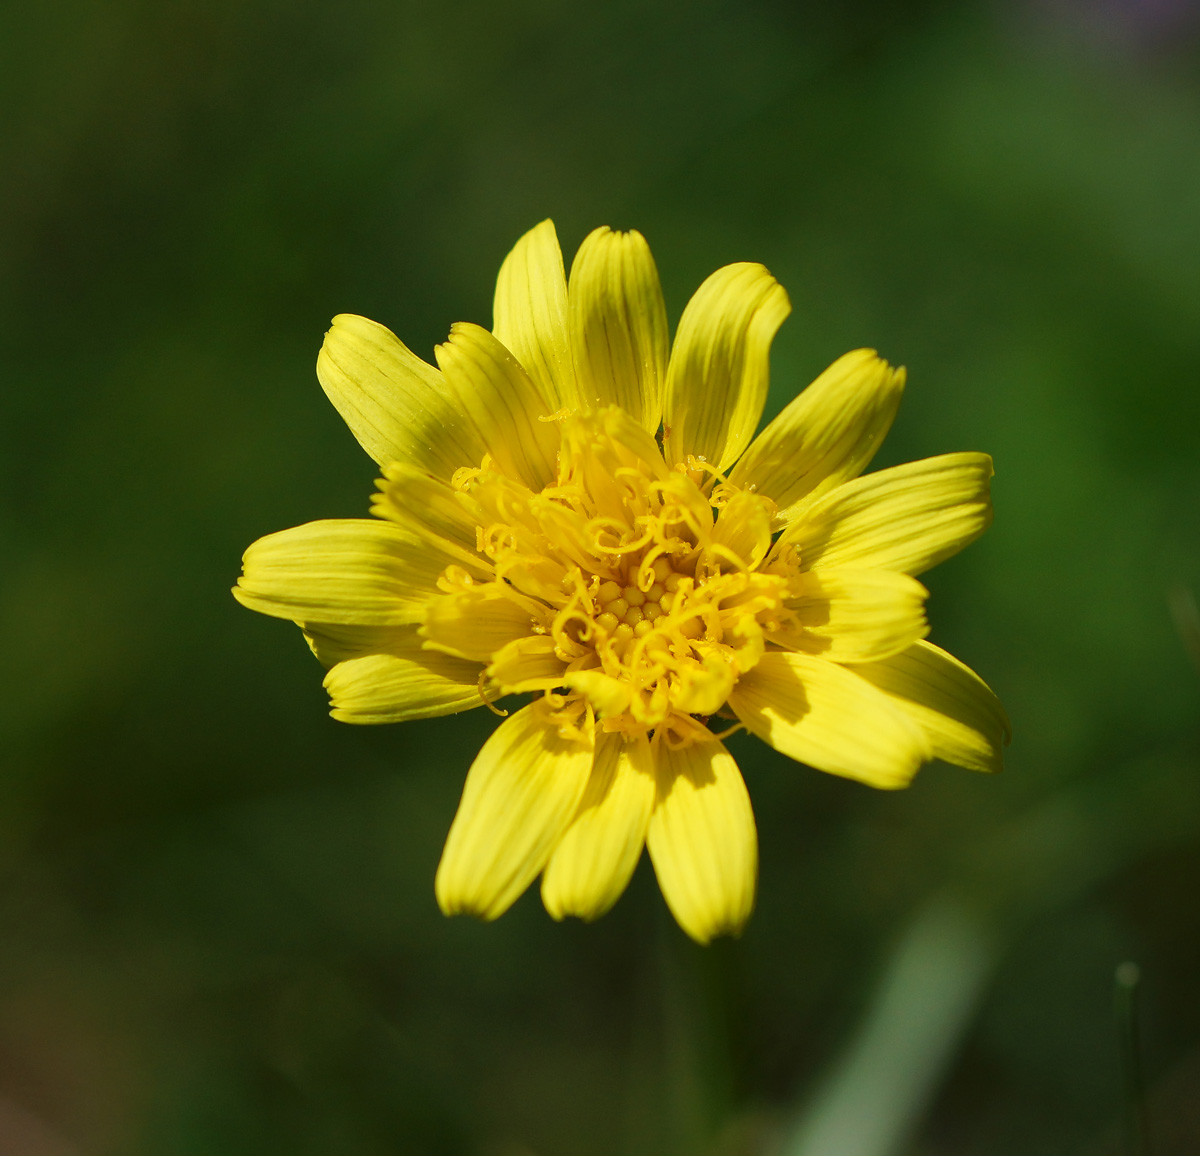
(216, 905)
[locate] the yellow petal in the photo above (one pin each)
(477, 622)
(593, 863)
(827, 436)
(962, 717)
(427, 505)
(743, 528)
(609, 440)
(908, 518)
(828, 717)
(618, 326)
(855, 615)
(718, 376)
(538, 576)
(608, 696)
(702, 839)
(521, 793)
(530, 313)
(605, 451)
(350, 571)
(690, 504)
(527, 664)
(397, 406)
(432, 511)
(333, 642)
(402, 682)
(703, 689)
(503, 402)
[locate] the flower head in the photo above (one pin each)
(572, 509)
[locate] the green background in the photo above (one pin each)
(217, 925)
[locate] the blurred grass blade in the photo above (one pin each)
(1125, 987)
(878, 1092)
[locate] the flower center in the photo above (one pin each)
(628, 612)
(645, 596)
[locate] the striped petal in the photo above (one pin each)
(426, 505)
(397, 406)
(618, 325)
(827, 436)
(962, 718)
(477, 622)
(352, 571)
(530, 313)
(521, 793)
(828, 717)
(718, 376)
(503, 402)
(855, 615)
(702, 839)
(593, 864)
(334, 642)
(907, 518)
(434, 512)
(743, 529)
(402, 682)
(527, 664)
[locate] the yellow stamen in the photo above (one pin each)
(488, 702)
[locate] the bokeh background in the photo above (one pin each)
(217, 925)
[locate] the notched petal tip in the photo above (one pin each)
(530, 312)
(906, 518)
(826, 436)
(400, 681)
(593, 863)
(618, 326)
(720, 365)
(521, 792)
(703, 841)
(504, 404)
(396, 405)
(964, 720)
(348, 571)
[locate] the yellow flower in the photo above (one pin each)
(535, 533)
